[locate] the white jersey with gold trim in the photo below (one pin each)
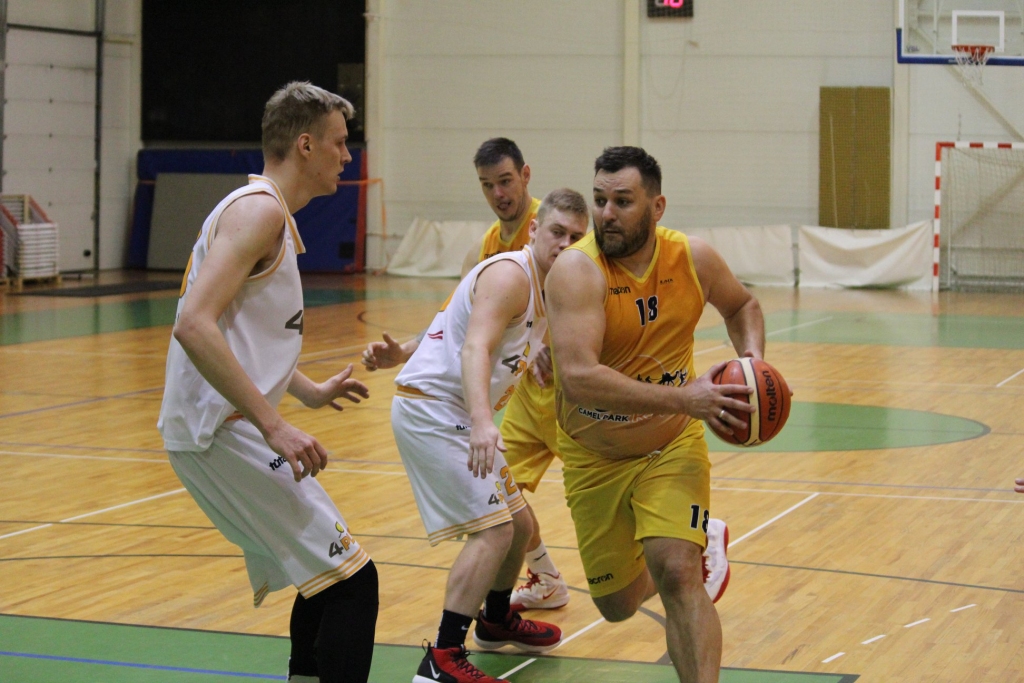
(435, 369)
(262, 326)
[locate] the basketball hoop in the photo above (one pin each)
(971, 60)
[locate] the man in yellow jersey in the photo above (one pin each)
(623, 304)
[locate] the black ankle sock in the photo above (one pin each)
(453, 629)
(498, 605)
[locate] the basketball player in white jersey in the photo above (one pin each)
(233, 355)
(466, 369)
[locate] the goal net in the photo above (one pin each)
(980, 199)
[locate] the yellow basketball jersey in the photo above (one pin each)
(493, 244)
(648, 336)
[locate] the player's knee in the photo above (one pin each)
(523, 524)
(677, 571)
(362, 587)
(499, 537)
(616, 607)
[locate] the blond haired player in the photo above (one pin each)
(623, 305)
(233, 354)
(474, 353)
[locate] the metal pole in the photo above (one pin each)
(3, 94)
(100, 30)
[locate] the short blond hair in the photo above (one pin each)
(565, 200)
(297, 108)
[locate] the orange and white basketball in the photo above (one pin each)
(770, 398)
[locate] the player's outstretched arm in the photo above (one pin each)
(501, 294)
(574, 292)
(381, 355)
(250, 231)
(317, 395)
(742, 313)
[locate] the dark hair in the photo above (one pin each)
(565, 200)
(496, 149)
(614, 159)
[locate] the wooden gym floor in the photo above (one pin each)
(877, 539)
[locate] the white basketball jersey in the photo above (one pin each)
(262, 326)
(435, 369)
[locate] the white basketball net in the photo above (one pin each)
(971, 60)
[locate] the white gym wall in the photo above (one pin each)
(49, 121)
(728, 102)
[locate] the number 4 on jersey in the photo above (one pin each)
(295, 323)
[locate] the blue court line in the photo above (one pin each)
(181, 669)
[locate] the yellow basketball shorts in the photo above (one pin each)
(530, 432)
(615, 504)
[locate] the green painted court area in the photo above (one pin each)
(844, 427)
(889, 329)
(119, 316)
(34, 650)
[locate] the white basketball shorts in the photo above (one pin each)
(433, 440)
(290, 533)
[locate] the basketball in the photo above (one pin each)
(770, 398)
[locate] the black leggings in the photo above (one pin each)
(332, 632)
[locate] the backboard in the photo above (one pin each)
(928, 30)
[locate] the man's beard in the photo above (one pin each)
(632, 238)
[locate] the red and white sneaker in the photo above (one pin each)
(527, 635)
(541, 591)
(450, 665)
(716, 564)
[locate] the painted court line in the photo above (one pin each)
(774, 519)
(564, 641)
(579, 633)
(157, 667)
(833, 657)
(960, 609)
(872, 495)
(525, 664)
(915, 623)
(794, 327)
(95, 512)
(68, 456)
(871, 640)
(1011, 377)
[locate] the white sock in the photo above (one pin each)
(538, 560)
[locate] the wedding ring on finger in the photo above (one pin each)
(721, 415)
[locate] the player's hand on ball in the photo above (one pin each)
(484, 440)
(712, 402)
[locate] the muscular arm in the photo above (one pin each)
(249, 233)
(502, 293)
(742, 313)
(574, 293)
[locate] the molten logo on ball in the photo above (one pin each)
(771, 401)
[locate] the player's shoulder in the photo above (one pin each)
(260, 208)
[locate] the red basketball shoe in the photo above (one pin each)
(527, 635)
(450, 665)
